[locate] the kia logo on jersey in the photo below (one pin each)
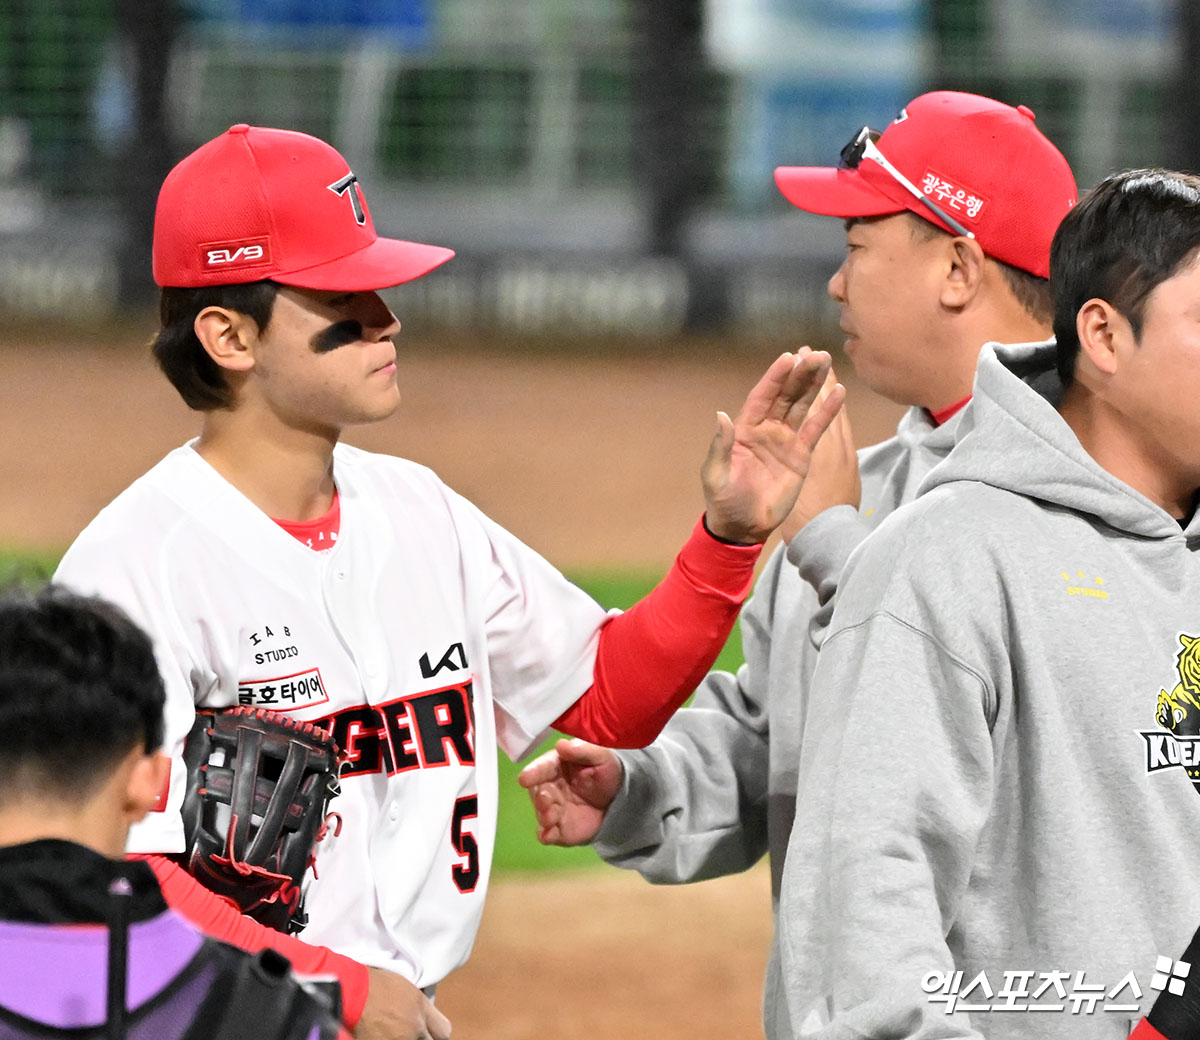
(456, 653)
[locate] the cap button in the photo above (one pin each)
(244, 128)
(1027, 112)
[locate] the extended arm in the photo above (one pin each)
(689, 807)
(650, 659)
(693, 804)
(377, 1004)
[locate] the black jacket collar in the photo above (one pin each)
(59, 882)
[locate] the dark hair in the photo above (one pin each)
(183, 360)
(1128, 235)
(1030, 291)
(79, 689)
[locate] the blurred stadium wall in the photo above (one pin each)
(602, 166)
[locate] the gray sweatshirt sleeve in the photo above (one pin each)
(822, 547)
(693, 804)
(895, 788)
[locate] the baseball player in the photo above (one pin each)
(279, 568)
(88, 948)
(949, 217)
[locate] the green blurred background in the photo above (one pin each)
(601, 166)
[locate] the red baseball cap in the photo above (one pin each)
(259, 203)
(983, 162)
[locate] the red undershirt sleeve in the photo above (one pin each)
(212, 915)
(651, 658)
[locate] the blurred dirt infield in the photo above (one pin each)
(602, 955)
(593, 461)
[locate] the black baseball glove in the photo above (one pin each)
(259, 787)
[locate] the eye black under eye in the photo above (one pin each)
(337, 335)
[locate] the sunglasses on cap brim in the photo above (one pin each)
(862, 146)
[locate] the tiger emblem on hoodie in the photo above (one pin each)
(1179, 710)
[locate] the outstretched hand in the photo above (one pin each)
(757, 462)
(571, 788)
(833, 478)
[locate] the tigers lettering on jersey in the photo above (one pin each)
(425, 730)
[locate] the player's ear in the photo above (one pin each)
(147, 780)
(227, 336)
(965, 267)
(1104, 334)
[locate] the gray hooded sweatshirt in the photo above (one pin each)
(1001, 765)
(717, 790)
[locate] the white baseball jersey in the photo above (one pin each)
(426, 635)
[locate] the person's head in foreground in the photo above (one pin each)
(81, 720)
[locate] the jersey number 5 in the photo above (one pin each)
(466, 875)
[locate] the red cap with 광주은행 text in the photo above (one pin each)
(984, 162)
(258, 203)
